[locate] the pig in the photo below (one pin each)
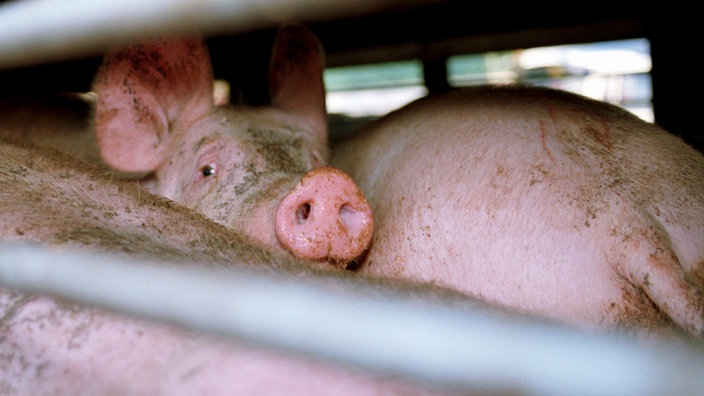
(50, 346)
(539, 200)
(259, 170)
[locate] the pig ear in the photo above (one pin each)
(144, 93)
(296, 75)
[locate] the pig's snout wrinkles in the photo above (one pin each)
(325, 217)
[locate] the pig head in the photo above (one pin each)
(260, 170)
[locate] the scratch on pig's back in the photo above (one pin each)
(543, 140)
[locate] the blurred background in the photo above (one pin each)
(615, 71)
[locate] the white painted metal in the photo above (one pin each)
(34, 31)
(372, 328)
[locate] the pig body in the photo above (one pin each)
(53, 348)
(538, 200)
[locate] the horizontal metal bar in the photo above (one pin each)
(362, 325)
(35, 31)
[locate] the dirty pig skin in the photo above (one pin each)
(539, 200)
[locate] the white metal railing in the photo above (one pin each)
(369, 327)
(35, 31)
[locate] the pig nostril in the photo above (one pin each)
(303, 213)
(345, 209)
(352, 218)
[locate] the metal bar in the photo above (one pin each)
(35, 31)
(369, 327)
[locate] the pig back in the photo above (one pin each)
(533, 198)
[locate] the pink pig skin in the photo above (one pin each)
(538, 200)
(54, 348)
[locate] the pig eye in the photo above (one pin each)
(208, 170)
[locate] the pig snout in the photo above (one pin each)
(325, 217)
